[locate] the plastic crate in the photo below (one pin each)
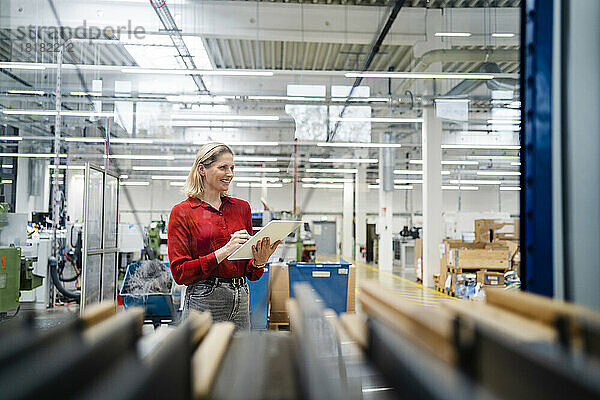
(329, 280)
(158, 306)
(259, 300)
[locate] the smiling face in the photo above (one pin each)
(218, 175)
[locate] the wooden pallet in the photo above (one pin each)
(445, 291)
(279, 326)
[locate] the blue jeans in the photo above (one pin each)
(225, 302)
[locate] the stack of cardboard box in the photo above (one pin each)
(486, 260)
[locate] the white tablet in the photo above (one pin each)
(275, 230)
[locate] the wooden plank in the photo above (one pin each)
(502, 321)
(539, 308)
(200, 325)
(430, 328)
(96, 313)
(355, 327)
(207, 358)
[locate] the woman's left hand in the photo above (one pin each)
(263, 250)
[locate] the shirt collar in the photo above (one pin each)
(195, 203)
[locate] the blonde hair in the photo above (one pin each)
(208, 154)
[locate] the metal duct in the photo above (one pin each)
(455, 55)
(468, 85)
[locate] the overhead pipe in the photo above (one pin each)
(468, 85)
(460, 55)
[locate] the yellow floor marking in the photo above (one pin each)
(401, 279)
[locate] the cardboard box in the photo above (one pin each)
(491, 230)
(419, 258)
(279, 284)
(490, 278)
(479, 259)
(351, 300)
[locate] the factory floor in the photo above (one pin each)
(399, 279)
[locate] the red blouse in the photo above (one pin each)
(196, 230)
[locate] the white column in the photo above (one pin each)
(361, 190)
(348, 216)
(432, 194)
(384, 223)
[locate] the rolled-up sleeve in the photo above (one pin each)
(185, 268)
(252, 273)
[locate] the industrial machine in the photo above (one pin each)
(16, 274)
(157, 239)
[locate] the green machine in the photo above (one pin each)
(16, 274)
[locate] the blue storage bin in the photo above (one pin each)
(158, 306)
(329, 280)
(259, 301)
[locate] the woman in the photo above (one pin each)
(204, 230)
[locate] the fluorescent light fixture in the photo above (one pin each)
(255, 179)
(404, 181)
(255, 159)
(474, 182)
(179, 71)
(256, 169)
(503, 35)
(134, 183)
(510, 188)
(397, 187)
(494, 157)
(473, 188)
(332, 170)
(83, 139)
(328, 180)
(216, 117)
(20, 65)
(6, 181)
(79, 167)
(452, 34)
(32, 155)
(252, 143)
(481, 146)
(169, 177)
(448, 162)
(344, 160)
(504, 121)
(459, 162)
(13, 138)
(35, 92)
(131, 141)
(64, 113)
(365, 145)
(123, 176)
(138, 157)
(515, 164)
(92, 94)
(177, 183)
(408, 172)
(498, 173)
(259, 185)
(322, 186)
(376, 120)
(7, 166)
(158, 168)
(419, 75)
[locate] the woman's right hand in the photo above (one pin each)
(237, 240)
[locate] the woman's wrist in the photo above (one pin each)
(257, 264)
